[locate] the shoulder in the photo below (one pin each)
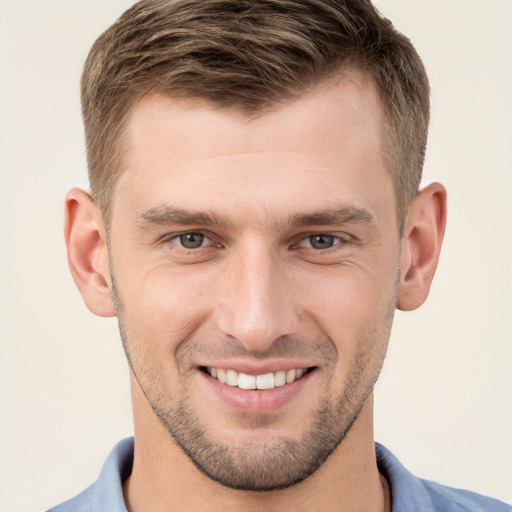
(80, 503)
(412, 493)
(106, 494)
(459, 500)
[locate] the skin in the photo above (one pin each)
(256, 296)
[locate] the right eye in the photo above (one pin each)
(191, 240)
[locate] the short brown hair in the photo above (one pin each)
(251, 55)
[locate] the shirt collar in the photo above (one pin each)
(116, 469)
(407, 491)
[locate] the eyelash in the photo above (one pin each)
(338, 241)
(174, 239)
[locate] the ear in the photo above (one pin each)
(88, 252)
(421, 245)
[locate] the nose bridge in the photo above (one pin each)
(256, 306)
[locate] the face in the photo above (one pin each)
(255, 266)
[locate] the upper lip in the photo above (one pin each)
(258, 367)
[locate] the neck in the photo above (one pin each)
(164, 478)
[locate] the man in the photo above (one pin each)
(254, 221)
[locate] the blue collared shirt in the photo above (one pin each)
(408, 493)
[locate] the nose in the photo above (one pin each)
(256, 302)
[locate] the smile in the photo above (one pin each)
(263, 381)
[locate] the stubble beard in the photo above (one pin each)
(263, 466)
(266, 466)
(279, 462)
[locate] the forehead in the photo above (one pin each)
(328, 140)
(350, 100)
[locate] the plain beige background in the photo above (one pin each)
(444, 401)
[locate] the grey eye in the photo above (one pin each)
(191, 240)
(322, 241)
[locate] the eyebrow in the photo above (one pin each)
(342, 215)
(168, 216)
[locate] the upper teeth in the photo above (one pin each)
(263, 381)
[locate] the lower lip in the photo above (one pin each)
(255, 401)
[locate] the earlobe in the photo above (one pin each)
(421, 245)
(88, 252)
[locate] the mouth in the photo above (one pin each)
(262, 381)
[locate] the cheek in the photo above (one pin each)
(354, 309)
(160, 309)
(352, 295)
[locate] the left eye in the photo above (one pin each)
(191, 240)
(320, 241)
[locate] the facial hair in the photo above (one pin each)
(277, 462)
